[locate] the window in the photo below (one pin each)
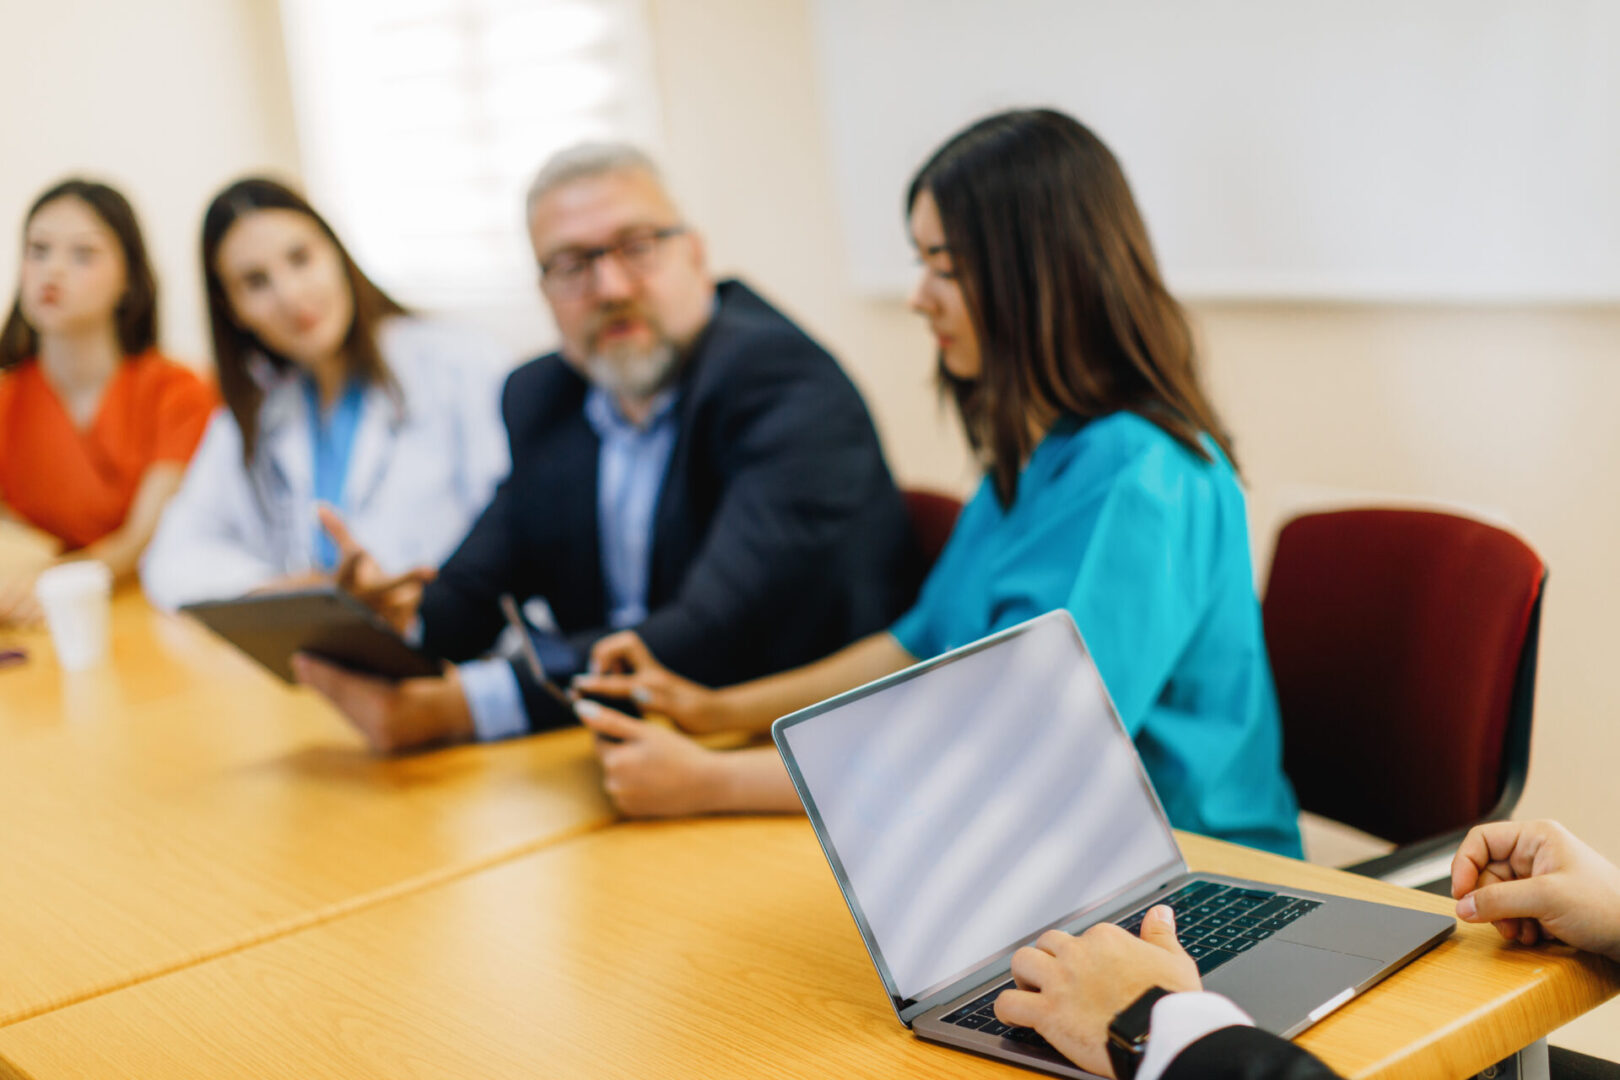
(421, 123)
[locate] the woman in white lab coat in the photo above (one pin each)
(333, 394)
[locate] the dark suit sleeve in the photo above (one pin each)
(799, 456)
(1246, 1053)
(461, 613)
(460, 610)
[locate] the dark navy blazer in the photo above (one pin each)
(778, 537)
(1245, 1053)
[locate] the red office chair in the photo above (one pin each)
(1403, 644)
(933, 516)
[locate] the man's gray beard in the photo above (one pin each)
(632, 375)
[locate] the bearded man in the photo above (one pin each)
(689, 464)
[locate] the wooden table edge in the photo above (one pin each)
(328, 913)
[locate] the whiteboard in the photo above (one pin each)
(1438, 150)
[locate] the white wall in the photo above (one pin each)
(1452, 150)
(165, 99)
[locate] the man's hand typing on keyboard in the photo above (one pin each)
(1070, 988)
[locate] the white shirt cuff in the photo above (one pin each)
(493, 698)
(1181, 1020)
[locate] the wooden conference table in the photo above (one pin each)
(206, 876)
(179, 803)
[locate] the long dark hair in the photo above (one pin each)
(1065, 296)
(136, 315)
(235, 346)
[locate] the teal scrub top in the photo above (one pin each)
(1147, 546)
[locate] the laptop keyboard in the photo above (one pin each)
(1217, 923)
(1214, 923)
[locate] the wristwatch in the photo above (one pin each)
(1128, 1034)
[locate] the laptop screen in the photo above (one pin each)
(970, 804)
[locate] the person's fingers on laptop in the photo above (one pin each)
(1176, 970)
(1159, 928)
(1056, 941)
(1033, 965)
(1079, 983)
(1020, 1008)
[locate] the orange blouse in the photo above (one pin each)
(78, 484)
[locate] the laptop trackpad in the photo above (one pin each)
(1280, 982)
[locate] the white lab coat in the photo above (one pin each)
(420, 472)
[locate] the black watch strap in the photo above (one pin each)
(1128, 1034)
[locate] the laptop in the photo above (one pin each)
(971, 802)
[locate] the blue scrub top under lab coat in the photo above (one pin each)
(1147, 546)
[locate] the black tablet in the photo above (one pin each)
(327, 623)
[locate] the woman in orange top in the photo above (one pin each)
(95, 426)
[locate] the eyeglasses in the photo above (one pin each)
(572, 271)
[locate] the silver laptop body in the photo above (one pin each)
(971, 802)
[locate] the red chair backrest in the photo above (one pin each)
(933, 516)
(1397, 639)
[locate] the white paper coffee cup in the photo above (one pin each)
(77, 597)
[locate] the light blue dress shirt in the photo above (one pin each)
(630, 468)
(332, 445)
(1147, 546)
(629, 474)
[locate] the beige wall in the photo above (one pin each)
(165, 99)
(747, 153)
(1504, 410)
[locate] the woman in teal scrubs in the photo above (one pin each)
(1109, 491)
